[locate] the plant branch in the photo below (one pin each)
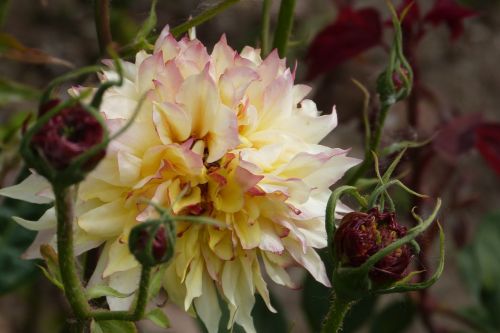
(335, 317)
(73, 289)
(103, 28)
(203, 17)
(284, 28)
(265, 24)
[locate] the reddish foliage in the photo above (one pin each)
(456, 137)
(488, 143)
(354, 32)
(451, 14)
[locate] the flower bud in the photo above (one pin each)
(67, 135)
(361, 235)
(151, 243)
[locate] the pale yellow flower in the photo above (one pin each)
(238, 134)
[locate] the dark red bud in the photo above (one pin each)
(361, 235)
(150, 243)
(160, 244)
(68, 135)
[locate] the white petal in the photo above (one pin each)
(33, 189)
(125, 282)
(207, 306)
(47, 221)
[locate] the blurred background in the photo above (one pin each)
(454, 51)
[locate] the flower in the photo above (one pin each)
(361, 235)
(234, 135)
(68, 135)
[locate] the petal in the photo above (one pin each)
(234, 83)
(47, 221)
(200, 99)
(107, 220)
(278, 273)
(194, 282)
(172, 122)
(224, 134)
(310, 260)
(222, 56)
(125, 282)
(129, 168)
(33, 189)
(207, 305)
(119, 258)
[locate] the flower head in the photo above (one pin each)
(361, 235)
(224, 135)
(68, 135)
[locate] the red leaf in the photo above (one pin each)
(354, 32)
(457, 136)
(488, 144)
(451, 14)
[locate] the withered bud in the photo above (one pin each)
(67, 135)
(361, 235)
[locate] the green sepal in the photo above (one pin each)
(142, 237)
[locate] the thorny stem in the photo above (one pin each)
(101, 12)
(73, 289)
(336, 314)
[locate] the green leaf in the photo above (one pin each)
(149, 24)
(51, 278)
(14, 239)
(11, 92)
(396, 317)
(102, 290)
(158, 317)
(479, 266)
(112, 326)
(13, 49)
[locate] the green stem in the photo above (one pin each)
(335, 317)
(265, 24)
(284, 28)
(203, 17)
(372, 146)
(140, 305)
(103, 28)
(73, 289)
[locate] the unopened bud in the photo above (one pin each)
(151, 243)
(361, 235)
(67, 135)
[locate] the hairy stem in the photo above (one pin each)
(73, 288)
(101, 13)
(335, 317)
(284, 28)
(265, 24)
(203, 17)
